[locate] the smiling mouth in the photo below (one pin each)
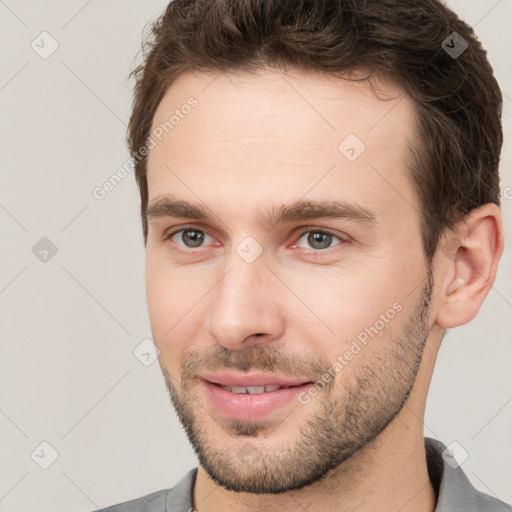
(255, 402)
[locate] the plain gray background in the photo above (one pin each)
(70, 324)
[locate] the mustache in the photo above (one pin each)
(264, 358)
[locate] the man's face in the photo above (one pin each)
(336, 307)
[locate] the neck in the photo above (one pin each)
(388, 474)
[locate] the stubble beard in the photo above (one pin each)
(349, 416)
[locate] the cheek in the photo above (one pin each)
(172, 297)
(351, 315)
(340, 303)
(323, 308)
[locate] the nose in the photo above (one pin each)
(245, 307)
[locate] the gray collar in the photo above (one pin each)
(454, 491)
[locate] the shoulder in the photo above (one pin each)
(177, 498)
(453, 489)
(156, 501)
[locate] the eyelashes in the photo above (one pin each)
(201, 236)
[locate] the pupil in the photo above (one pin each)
(195, 238)
(322, 238)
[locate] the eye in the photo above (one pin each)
(318, 239)
(191, 237)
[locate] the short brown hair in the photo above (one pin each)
(456, 154)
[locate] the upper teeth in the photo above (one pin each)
(252, 390)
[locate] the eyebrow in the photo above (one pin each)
(167, 206)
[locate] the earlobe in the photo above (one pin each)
(470, 259)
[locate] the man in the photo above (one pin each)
(320, 202)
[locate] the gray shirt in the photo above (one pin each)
(453, 490)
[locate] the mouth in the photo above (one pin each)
(251, 397)
(253, 390)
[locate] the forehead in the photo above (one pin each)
(270, 134)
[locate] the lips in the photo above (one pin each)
(251, 397)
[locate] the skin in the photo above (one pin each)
(260, 140)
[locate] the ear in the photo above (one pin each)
(470, 257)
